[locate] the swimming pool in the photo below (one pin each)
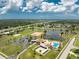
(55, 44)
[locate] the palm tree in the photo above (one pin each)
(45, 31)
(30, 38)
(62, 33)
(66, 31)
(72, 28)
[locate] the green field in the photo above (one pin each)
(6, 46)
(71, 57)
(29, 54)
(75, 51)
(10, 49)
(77, 43)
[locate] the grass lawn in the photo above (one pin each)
(71, 57)
(76, 51)
(10, 49)
(29, 31)
(4, 40)
(29, 54)
(67, 37)
(6, 47)
(77, 43)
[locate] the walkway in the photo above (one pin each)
(1, 57)
(24, 51)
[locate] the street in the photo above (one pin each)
(67, 50)
(1, 57)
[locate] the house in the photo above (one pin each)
(37, 35)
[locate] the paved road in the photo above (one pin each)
(3, 54)
(67, 50)
(24, 51)
(1, 57)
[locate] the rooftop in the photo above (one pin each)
(37, 33)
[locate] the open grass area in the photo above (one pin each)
(67, 37)
(5, 39)
(5, 42)
(71, 57)
(30, 54)
(10, 49)
(77, 43)
(29, 31)
(76, 52)
(6, 46)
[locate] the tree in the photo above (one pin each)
(66, 31)
(62, 33)
(45, 31)
(30, 38)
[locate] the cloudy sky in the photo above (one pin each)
(39, 9)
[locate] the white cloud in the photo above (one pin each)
(70, 5)
(65, 6)
(60, 8)
(32, 3)
(68, 2)
(74, 7)
(46, 7)
(18, 3)
(5, 8)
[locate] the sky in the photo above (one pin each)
(39, 9)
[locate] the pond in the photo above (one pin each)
(53, 35)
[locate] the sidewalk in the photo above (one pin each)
(24, 51)
(3, 56)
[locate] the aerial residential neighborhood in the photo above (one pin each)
(39, 29)
(42, 40)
